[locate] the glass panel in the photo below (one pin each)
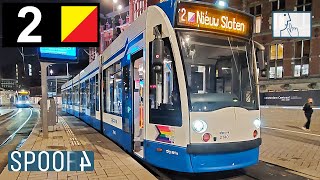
(274, 5)
(280, 51)
(306, 48)
(88, 93)
(282, 4)
(165, 107)
(258, 24)
(111, 89)
(279, 71)
(308, 7)
(273, 52)
(272, 72)
(104, 90)
(97, 92)
(300, 8)
(258, 10)
(92, 97)
(308, 1)
(305, 69)
(117, 67)
(300, 2)
(298, 46)
(252, 10)
(219, 71)
(297, 70)
(117, 104)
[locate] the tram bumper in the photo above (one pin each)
(223, 156)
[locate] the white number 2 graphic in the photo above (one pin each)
(25, 34)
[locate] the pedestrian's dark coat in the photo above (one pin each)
(307, 108)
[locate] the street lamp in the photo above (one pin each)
(119, 7)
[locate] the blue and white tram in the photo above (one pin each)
(178, 88)
(23, 99)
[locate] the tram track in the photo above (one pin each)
(14, 131)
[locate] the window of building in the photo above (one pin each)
(301, 58)
(278, 5)
(256, 11)
(276, 61)
(304, 5)
(30, 69)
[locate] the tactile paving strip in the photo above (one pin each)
(74, 141)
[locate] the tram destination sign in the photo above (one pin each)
(211, 18)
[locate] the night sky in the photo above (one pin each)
(11, 56)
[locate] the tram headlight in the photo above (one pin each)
(199, 126)
(257, 123)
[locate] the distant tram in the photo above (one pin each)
(178, 88)
(23, 99)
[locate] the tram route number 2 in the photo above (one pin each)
(51, 161)
(50, 24)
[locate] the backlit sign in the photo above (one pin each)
(58, 54)
(211, 18)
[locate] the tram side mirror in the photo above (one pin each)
(157, 54)
(262, 63)
(260, 58)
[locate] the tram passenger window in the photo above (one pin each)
(114, 86)
(92, 97)
(117, 104)
(76, 94)
(97, 92)
(165, 105)
(83, 95)
(104, 78)
(88, 93)
(109, 84)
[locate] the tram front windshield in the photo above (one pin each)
(219, 71)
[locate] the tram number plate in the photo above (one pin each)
(224, 135)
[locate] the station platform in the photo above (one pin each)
(71, 134)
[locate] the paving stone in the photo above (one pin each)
(111, 162)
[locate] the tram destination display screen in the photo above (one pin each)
(211, 18)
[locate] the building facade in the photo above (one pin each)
(292, 64)
(8, 84)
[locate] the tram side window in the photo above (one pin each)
(104, 78)
(92, 97)
(165, 105)
(76, 95)
(83, 94)
(114, 89)
(97, 92)
(72, 95)
(88, 93)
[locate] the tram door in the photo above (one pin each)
(137, 103)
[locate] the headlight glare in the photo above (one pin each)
(257, 123)
(199, 126)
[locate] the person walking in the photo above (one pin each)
(307, 108)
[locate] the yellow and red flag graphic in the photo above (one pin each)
(79, 23)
